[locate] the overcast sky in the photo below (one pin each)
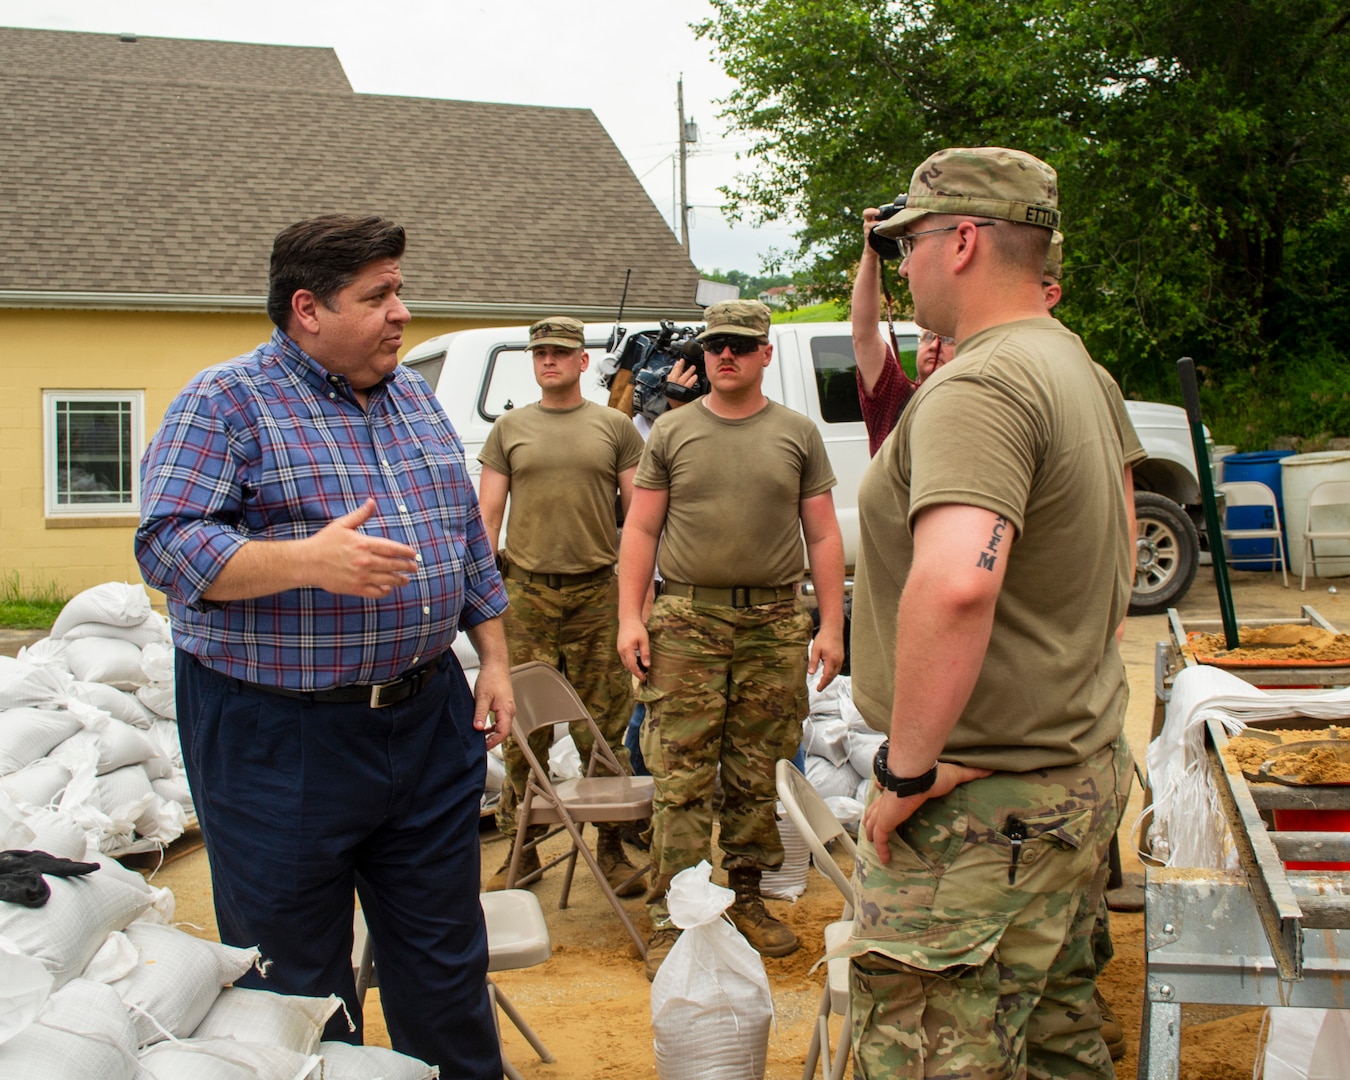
(620, 58)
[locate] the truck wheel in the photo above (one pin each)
(1167, 550)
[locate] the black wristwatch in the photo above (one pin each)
(904, 786)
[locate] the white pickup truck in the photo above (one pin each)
(479, 374)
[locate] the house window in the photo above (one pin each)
(94, 440)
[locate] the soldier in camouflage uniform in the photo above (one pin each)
(561, 461)
(998, 506)
(734, 480)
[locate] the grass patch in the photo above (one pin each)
(830, 312)
(28, 607)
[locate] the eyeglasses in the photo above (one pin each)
(906, 242)
(928, 336)
(739, 346)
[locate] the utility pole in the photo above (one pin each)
(684, 199)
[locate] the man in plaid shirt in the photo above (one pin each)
(308, 514)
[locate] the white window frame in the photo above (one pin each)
(51, 399)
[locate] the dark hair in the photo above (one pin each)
(324, 255)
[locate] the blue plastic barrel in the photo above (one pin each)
(1262, 466)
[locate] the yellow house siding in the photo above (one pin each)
(154, 352)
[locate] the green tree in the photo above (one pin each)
(1203, 150)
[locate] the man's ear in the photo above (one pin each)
(585, 360)
(304, 310)
(768, 354)
(1053, 293)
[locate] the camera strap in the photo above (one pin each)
(890, 318)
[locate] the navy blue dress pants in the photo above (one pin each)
(301, 804)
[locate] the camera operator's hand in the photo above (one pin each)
(682, 374)
(870, 218)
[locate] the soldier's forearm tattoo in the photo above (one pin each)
(989, 556)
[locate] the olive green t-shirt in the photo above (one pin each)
(563, 466)
(735, 491)
(1020, 423)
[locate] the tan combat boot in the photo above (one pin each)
(767, 935)
(1112, 1033)
(622, 875)
(529, 863)
(658, 948)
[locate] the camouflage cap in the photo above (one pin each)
(745, 318)
(982, 181)
(558, 330)
(1054, 261)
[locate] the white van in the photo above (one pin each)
(479, 374)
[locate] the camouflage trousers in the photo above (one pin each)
(575, 630)
(972, 957)
(727, 687)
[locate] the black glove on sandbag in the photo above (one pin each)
(21, 880)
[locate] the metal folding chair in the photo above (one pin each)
(1326, 494)
(1253, 493)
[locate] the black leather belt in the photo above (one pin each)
(739, 596)
(557, 581)
(376, 695)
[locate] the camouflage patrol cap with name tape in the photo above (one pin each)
(981, 181)
(558, 330)
(739, 318)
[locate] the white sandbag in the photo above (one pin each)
(84, 1033)
(154, 631)
(343, 1061)
(825, 703)
(177, 981)
(116, 959)
(711, 1006)
(260, 1016)
(862, 750)
(847, 811)
(223, 1059)
(24, 684)
(55, 833)
(174, 789)
(37, 784)
(789, 881)
(48, 652)
(126, 796)
(1307, 1044)
(826, 738)
(25, 986)
(564, 761)
(161, 900)
(106, 660)
(116, 603)
(829, 779)
(166, 738)
(160, 700)
(157, 660)
(496, 770)
(124, 706)
(14, 831)
(116, 745)
(69, 928)
(28, 733)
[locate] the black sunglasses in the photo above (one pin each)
(739, 346)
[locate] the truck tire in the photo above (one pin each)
(1167, 551)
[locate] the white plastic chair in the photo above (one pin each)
(819, 827)
(517, 938)
(1254, 493)
(1327, 493)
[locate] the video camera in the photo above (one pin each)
(648, 356)
(885, 246)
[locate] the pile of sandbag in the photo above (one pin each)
(87, 724)
(839, 748)
(94, 983)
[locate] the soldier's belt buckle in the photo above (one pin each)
(740, 596)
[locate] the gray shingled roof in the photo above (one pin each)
(112, 181)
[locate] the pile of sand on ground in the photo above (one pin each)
(1280, 643)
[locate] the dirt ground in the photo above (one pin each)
(590, 1003)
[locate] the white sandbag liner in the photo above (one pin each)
(25, 985)
(106, 660)
(14, 830)
(1307, 1044)
(157, 661)
(127, 796)
(116, 603)
(160, 700)
(116, 745)
(119, 703)
(847, 811)
(24, 684)
(177, 981)
(153, 631)
(78, 916)
(343, 1061)
(49, 652)
(564, 761)
(711, 1006)
(161, 900)
(824, 704)
(830, 779)
(223, 1059)
(84, 1033)
(116, 959)
(174, 789)
(37, 784)
(826, 738)
(789, 881)
(27, 734)
(55, 833)
(166, 738)
(260, 1016)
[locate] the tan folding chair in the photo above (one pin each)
(1328, 493)
(544, 697)
(1253, 493)
(819, 827)
(517, 938)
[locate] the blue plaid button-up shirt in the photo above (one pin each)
(270, 446)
